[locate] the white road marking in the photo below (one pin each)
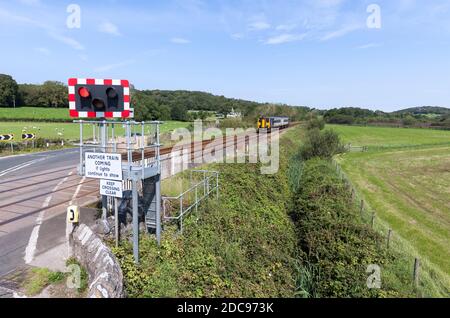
(21, 166)
(32, 242)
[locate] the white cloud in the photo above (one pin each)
(237, 36)
(31, 2)
(66, 40)
(109, 28)
(54, 33)
(286, 27)
(83, 57)
(180, 41)
(369, 46)
(285, 38)
(109, 67)
(341, 32)
(259, 26)
(43, 50)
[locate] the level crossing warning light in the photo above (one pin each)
(99, 98)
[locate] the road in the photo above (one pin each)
(35, 190)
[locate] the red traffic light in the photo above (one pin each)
(84, 92)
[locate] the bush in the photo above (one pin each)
(315, 123)
(336, 247)
(319, 144)
(242, 246)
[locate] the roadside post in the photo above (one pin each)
(8, 138)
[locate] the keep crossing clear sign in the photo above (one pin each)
(103, 166)
(111, 188)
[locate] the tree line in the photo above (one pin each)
(148, 104)
(426, 116)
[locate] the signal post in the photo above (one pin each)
(106, 103)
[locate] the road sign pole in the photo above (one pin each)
(158, 190)
(135, 221)
(116, 220)
(81, 170)
(103, 143)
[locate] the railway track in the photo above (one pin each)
(199, 146)
(195, 148)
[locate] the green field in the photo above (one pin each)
(69, 131)
(408, 188)
(34, 114)
(390, 137)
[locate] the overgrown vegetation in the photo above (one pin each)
(39, 278)
(297, 233)
(336, 247)
(242, 246)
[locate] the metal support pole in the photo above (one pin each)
(116, 220)
(158, 208)
(135, 222)
(103, 149)
(158, 189)
(81, 170)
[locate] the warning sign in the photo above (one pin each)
(103, 166)
(111, 188)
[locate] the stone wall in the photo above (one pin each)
(105, 274)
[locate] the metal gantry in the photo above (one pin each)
(136, 165)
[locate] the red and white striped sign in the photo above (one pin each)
(91, 81)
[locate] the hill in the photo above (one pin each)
(424, 110)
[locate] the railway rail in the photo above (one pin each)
(194, 147)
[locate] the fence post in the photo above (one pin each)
(373, 220)
(389, 238)
(196, 202)
(416, 272)
(181, 214)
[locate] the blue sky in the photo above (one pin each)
(318, 53)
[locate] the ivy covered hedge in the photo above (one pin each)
(336, 246)
(242, 246)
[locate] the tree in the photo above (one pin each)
(8, 90)
(53, 94)
(179, 112)
(29, 94)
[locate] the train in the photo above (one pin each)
(267, 123)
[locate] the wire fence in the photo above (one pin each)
(369, 216)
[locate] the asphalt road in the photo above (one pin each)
(40, 161)
(35, 190)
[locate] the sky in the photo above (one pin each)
(386, 55)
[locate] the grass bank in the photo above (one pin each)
(408, 189)
(244, 245)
